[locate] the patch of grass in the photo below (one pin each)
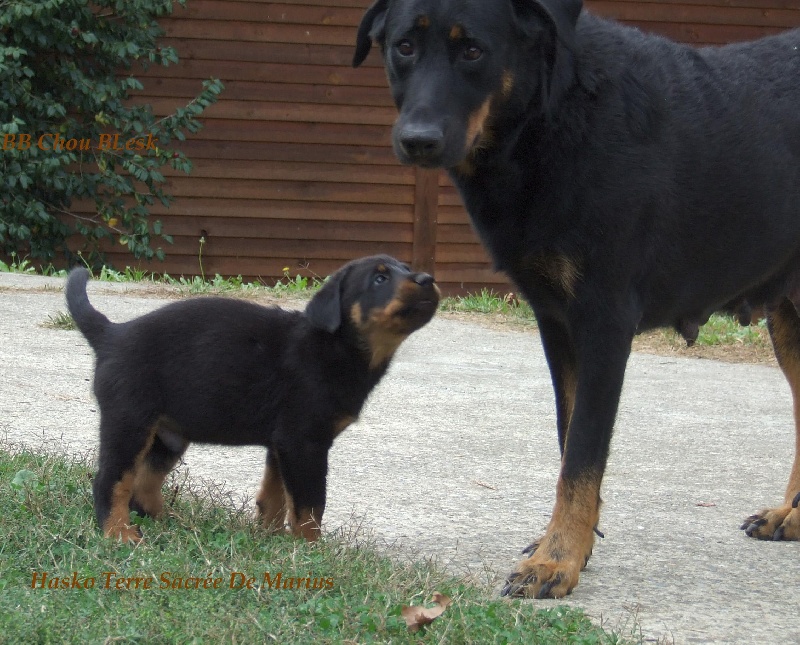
(60, 320)
(46, 506)
(723, 330)
(489, 302)
(17, 265)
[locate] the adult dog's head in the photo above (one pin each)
(460, 68)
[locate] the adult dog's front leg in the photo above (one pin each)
(557, 558)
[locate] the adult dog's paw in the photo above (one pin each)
(781, 523)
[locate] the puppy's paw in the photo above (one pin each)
(124, 533)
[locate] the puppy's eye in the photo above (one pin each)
(380, 279)
(472, 53)
(405, 48)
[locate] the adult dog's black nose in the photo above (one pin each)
(421, 143)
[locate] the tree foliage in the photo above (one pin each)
(66, 80)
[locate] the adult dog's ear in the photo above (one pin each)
(324, 310)
(371, 28)
(560, 18)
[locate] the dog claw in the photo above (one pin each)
(778, 535)
(796, 501)
(530, 549)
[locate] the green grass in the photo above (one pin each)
(723, 330)
(46, 510)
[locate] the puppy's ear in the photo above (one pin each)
(371, 28)
(324, 311)
(560, 18)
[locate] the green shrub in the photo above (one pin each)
(66, 74)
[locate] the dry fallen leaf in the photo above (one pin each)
(418, 616)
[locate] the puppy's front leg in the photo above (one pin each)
(271, 500)
(304, 467)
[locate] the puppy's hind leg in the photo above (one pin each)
(271, 499)
(166, 450)
(122, 448)
(783, 522)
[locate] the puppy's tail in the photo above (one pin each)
(91, 322)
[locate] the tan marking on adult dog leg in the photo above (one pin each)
(271, 501)
(341, 425)
(563, 551)
(560, 271)
(783, 522)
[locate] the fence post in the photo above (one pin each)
(426, 202)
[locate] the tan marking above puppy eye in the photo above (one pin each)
(456, 32)
(381, 268)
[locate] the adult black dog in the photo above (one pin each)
(623, 182)
(225, 371)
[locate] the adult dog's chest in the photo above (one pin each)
(525, 226)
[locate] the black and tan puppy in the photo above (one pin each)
(224, 371)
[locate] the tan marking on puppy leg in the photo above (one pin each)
(117, 524)
(306, 523)
(507, 84)
(271, 501)
(147, 489)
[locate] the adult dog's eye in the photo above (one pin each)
(380, 279)
(472, 53)
(405, 48)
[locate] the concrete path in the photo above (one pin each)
(455, 457)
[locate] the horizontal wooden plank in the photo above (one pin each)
(453, 215)
(292, 190)
(233, 130)
(697, 14)
(455, 234)
(270, 12)
(240, 34)
(256, 209)
(270, 72)
(765, 5)
(282, 93)
(457, 253)
(198, 149)
(271, 52)
(275, 111)
(298, 171)
(285, 229)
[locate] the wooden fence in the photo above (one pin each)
(294, 168)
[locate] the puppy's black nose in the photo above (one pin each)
(423, 279)
(421, 143)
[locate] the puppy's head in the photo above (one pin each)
(379, 299)
(456, 67)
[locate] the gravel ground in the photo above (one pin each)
(455, 458)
